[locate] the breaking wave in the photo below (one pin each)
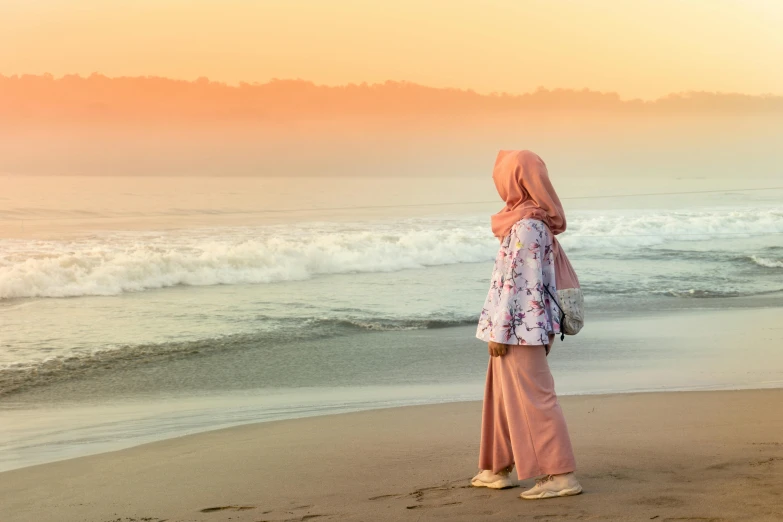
(115, 263)
(767, 263)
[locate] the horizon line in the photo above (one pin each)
(204, 80)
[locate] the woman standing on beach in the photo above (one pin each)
(522, 424)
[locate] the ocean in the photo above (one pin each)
(134, 309)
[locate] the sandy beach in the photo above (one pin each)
(701, 456)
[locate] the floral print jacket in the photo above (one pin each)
(518, 310)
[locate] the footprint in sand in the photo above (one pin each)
(288, 514)
(431, 497)
(766, 461)
(381, 497)
(296, 519)
(662, 502)
(142, 519)
(226, 508)
(694, 519)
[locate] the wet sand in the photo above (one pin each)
(700, 456)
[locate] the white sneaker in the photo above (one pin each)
(487, 479)
(553, 486)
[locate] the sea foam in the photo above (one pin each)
(114, 263)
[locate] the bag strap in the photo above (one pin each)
(562, 313)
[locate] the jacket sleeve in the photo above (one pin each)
(516, 307)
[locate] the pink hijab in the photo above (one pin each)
(523, 182)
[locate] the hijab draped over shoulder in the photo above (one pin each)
(523, 182)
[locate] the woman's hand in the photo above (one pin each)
(497, 349)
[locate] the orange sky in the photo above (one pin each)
(639, 48)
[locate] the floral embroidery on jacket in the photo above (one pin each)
(517, 309)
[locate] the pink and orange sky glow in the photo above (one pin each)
(639, 49)
(370, 88)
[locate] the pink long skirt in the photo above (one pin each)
(522, 423)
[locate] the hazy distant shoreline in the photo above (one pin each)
(145, 126)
